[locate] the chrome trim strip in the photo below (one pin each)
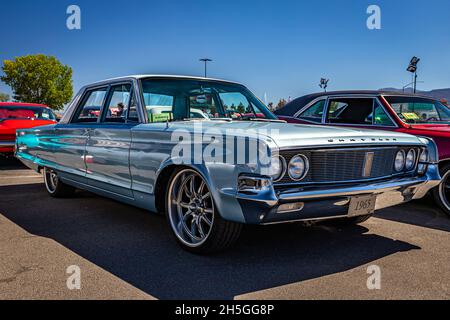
(7, 143)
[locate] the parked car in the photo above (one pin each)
(407, 113)
(15, 116)
(314, 173)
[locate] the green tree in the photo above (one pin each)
(4, 97)
(39, 79)
(241, 108)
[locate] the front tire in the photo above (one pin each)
(441, 193)
(193, 216)
(55, 187)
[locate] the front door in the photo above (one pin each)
(108, 148)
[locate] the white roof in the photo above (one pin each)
(141, 76)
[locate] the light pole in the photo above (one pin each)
(206, 60)
(324, 84)
(413, 69)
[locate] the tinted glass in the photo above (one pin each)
(380, 117)
(357, 111)
(313, 113)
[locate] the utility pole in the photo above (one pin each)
(206, 60)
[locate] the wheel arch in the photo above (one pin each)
(444, 162)
(163, 179)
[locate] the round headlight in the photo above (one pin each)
(298, 167)
(410, 160)
(423, 159)
(399, 163)
(277, 168)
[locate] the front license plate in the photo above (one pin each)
(361, 206)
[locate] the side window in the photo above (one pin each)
(118, 103)
(236, 105)
(352, 111)
(380, 117)
(89, 110)
(313, 113)
(159, 107)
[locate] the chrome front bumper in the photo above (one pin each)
(7, 143)
(261, 207)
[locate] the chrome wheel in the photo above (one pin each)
(444, 190)
(51, 180)
(190, 208)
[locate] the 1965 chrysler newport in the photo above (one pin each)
(212, 157)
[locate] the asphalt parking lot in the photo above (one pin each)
(128, 253)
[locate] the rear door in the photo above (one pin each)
(68, 144)
(108, 147)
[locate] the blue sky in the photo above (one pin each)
(281, 48)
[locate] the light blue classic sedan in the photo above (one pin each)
(211, 157)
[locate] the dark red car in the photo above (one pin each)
(407, 113)
(15, 116)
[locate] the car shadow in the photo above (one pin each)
(10, 163)
(423, 213)
(137, 247)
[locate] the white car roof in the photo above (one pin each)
(142, 76)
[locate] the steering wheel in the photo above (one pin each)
(433, 119)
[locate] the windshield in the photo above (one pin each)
(20, 113)
(180, 99)
(419, 110)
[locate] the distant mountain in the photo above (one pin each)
(437, 93)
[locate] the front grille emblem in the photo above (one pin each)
(368, 163)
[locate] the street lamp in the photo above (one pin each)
(324, 84)
(205, 60)
(413, 69)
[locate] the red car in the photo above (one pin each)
(407, 113)
(15, 116)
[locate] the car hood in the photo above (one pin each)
(286, 135)
(11, 125)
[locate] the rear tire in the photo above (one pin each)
(55, 187)
(441, 193)
(193, 217)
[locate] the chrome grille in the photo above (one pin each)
(342, 165)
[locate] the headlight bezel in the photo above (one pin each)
(423, 162)
(402, 168)
(305, 169)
